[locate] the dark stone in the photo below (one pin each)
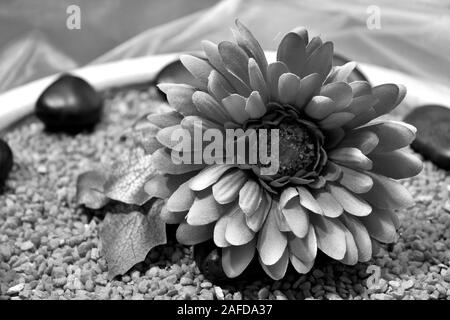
(69, 104)
(433, 133)
(175, 72)
(6, 161)
(209, 260)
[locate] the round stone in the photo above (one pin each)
(6, 161)
(209, 260)
(433, 133)
(69, 104)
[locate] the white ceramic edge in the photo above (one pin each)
(19, 102)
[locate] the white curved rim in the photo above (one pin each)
(19, 102)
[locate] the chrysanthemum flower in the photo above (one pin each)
(336, 187)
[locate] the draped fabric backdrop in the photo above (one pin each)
(414, 35)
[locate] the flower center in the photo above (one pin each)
(297, 149)
(299, 141)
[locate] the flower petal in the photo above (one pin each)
(235, 105)
(220, 229)
(330, 206)
(320, 107)
(287, 195)
(351, 251)
(255, 106)
(366, 141)
(360, 235)
(227, 188)
(257, 82)
(300, 266)
(320, 61)
(341, 73)
(164, 136)
(271, 241)
(179, 97)
(288, 87)
(355, 181)
(330, 236)
(218, 86)
(351, 203)
(360, 88)
(256, 219)
(277, 270)
(198, 67)
(205, 209)
(162, 161)
(301, 32)
(274, 71)
(304, 249)
(361, 119)
(389, 96)
(235, 60)
(396, 164)
(333, 137)
(392, 135)
(196, 122)
(171, 217)
(192, 235)
(296, 217)
(339, 92)
(336, 120)
(292, 51)
(309, 87)
(250, 197)
(248, 42)
(380, 226)
(237, 232)
(387, 193)
(361, 104)
(209, 107)
(208, 176)
(308, 201)
(212, 52)
(351, 157)
(181, 199)
(235, 259)
(332, 171)
(313, 45)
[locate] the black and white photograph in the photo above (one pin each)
(239, 152)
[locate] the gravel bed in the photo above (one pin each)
(49, 248)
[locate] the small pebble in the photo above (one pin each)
(219, 293)
(263, 293)
(408, 284)
(27, 245)
(16, 289)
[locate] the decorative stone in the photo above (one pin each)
(433, 133)
(69, 104)
(6, 161)
(209, 260)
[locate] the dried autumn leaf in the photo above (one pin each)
(128, 237)
(90, 190)
(127, 180)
